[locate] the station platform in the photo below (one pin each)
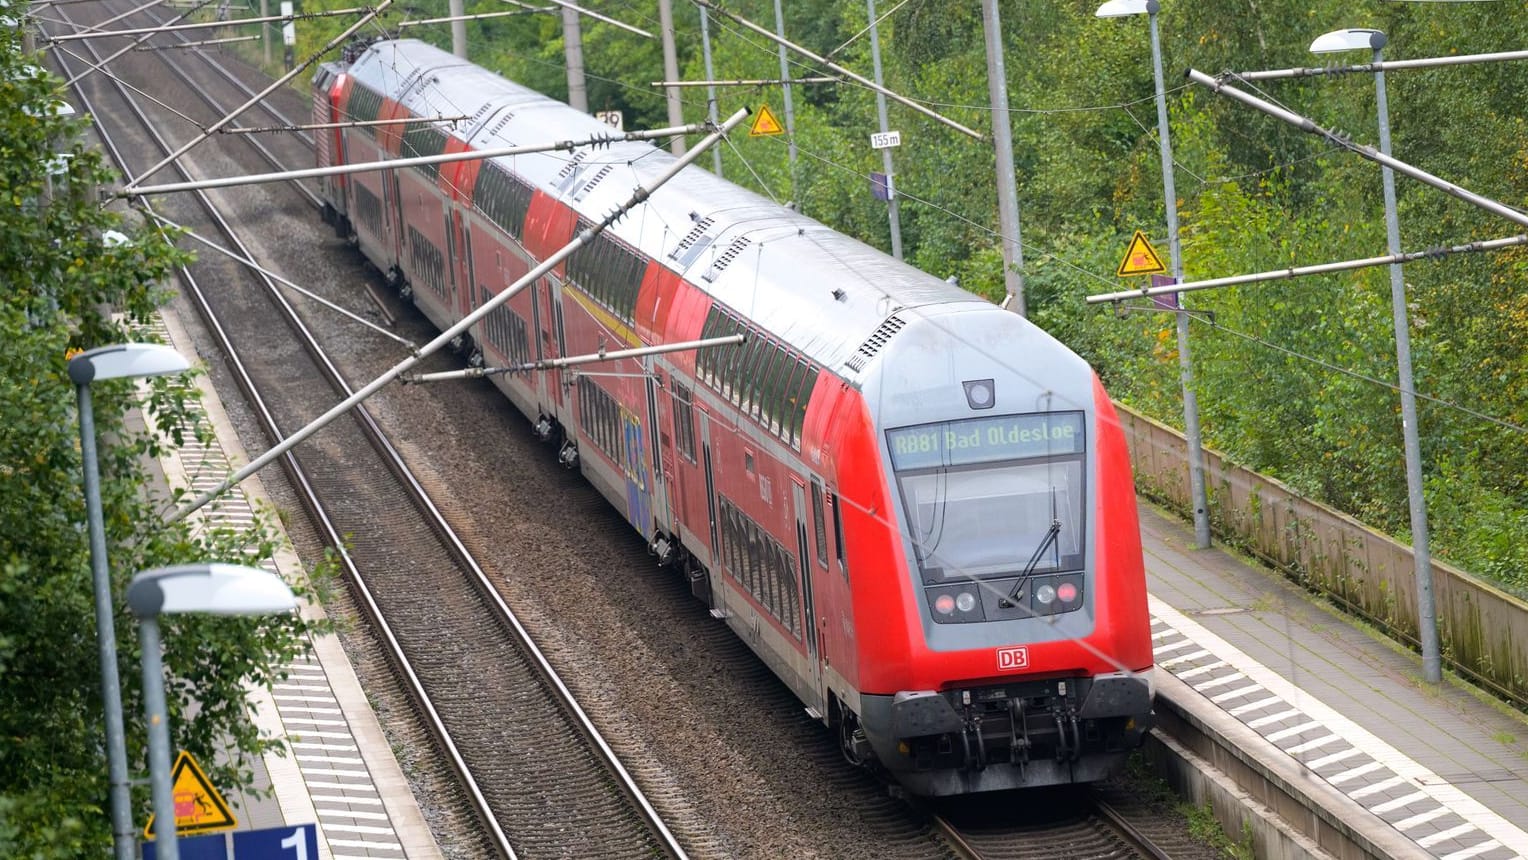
(339, 772)
(1440, 766)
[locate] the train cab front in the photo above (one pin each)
(1026, 635)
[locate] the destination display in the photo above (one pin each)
(983, 440)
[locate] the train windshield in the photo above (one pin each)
(991, 498)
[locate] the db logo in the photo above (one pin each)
(1012, 659)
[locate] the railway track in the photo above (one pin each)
(408, 569)
(1078, 823)
(436, 607)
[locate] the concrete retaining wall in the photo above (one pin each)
(1483, 631)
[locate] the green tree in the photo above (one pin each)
(61, 279)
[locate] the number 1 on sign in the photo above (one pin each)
(298, 844)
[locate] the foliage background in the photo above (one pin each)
(59, 279)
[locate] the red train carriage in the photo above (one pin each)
(914, 506)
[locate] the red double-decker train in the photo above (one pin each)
(915, 506)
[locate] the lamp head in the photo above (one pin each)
(1355, 39)
(1120, 8)
(125, 360)
(210, 588)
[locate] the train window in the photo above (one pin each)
(761, 565)
(368, 208)
(363, 107)
(684, 421)
(519, 337)
(421, 139)
(819, 524)
(428, 263)
(505, 330)
(783, 588)
(779, 398)
(838, 536)
(769, 582)
(774, 387)
(705, 358)
(600, 417)
(732, 358)
(759, 408)
(626, 275)
(750, 555)
(733, 545)
(608, 418)
(503, 198)
(609, 272)
(763, 384)
(753, 376)
(800, 396)
(795, 599)
(742, 391)
(578, 264)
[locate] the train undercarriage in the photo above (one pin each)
(1015, 735)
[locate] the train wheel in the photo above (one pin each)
(851, 738)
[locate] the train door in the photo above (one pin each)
(461, 266)
(560, 345)
(538, 322)
(393, 215)
(809, 632)
(678, 449)
(718, 600)
(659, 492)
(639, 485)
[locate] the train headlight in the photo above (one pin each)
(1046, 594)
(944, 604)
(965, 602)
(1067, 592)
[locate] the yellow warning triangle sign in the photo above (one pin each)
(198, 806)
(765, 123)
(1140, 258)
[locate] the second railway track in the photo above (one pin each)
(544, 779)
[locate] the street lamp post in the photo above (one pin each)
(111, 362)
(1427, 617)
(1200, 500)
(212, 589)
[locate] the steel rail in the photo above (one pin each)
(265, 154)
(294, 470)
(1132, 834)
(438, 523)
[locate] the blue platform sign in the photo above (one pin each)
(291, 842)
(213, 846)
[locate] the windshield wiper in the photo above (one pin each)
(1034, 560)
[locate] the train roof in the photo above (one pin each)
(829, 296)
